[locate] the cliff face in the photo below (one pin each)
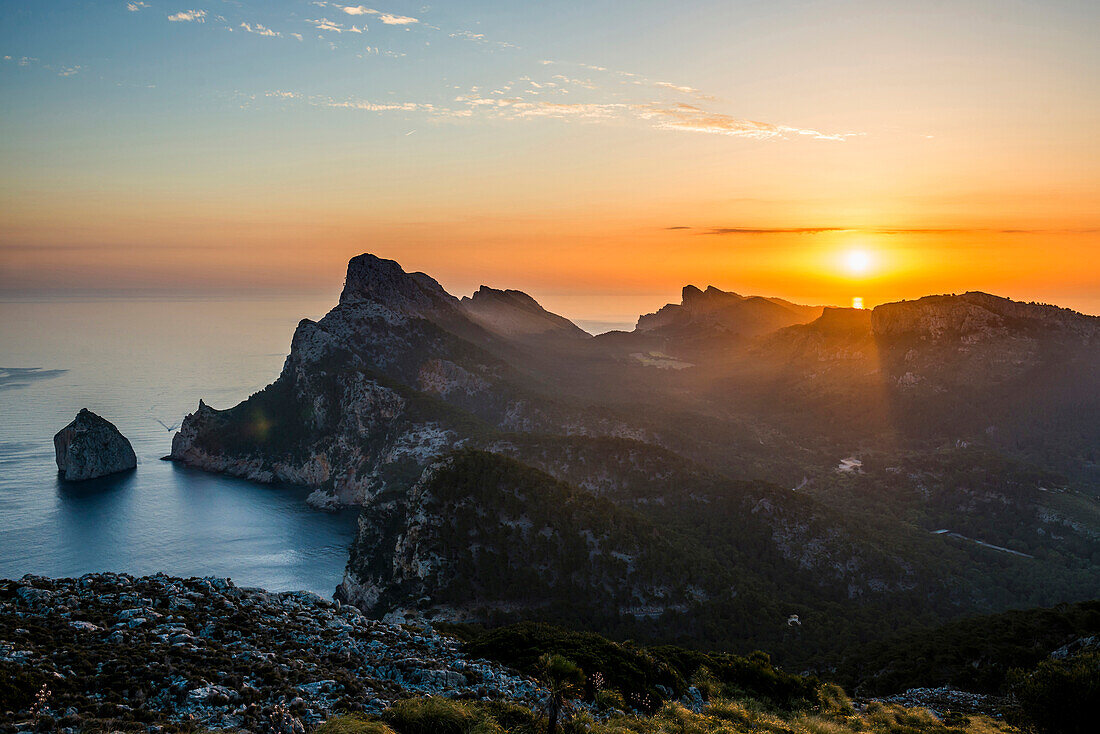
(481, 535)
(979, 342)
(391, 378)
(366, 396)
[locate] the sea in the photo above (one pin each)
(143, 364)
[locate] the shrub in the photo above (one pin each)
(17, 687)
(1054, 695)
(353, 724)
(832, 699)
(609, 698)
(439, 715)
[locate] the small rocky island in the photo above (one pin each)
(91, 447)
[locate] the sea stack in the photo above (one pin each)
(91, 447)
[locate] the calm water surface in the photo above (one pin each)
(134, 363)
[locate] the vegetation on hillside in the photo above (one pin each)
(976, 654)
(639, 673)
(832, 714)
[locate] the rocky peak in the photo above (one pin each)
(722, 311)
(513, 313)
(712, 297)
(690, 294)
(371, 279)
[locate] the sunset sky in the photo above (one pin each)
(596, 154)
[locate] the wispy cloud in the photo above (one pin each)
(882, 230)
(690, 118)
(22, 60)
(260, 30)
(572, 91)
(481, 38)
(135, 7)
(770, 230)
(355, 104)
(188, 16)
(682, 89)
(324, 24)
(387, 18)
(28, 62)
(680, 117)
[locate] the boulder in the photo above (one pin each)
(91, 447)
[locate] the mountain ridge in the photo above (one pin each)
(402, 381)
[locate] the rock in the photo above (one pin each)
(715, 311)
(374, 280)
(515, 314)
(91, 447)
(212, 693)
(269, 662)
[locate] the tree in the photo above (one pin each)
(564, 680)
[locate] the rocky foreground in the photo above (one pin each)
(159, 652)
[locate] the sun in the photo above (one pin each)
(858, 261)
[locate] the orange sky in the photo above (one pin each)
(954, 144)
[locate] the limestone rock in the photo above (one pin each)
(515, 314)
(91, 447)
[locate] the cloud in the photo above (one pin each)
(683, 89)
(396, 19)
(355, 104)
(135, 7)
(260, 30)
(584, 83)
(883, 230)
(690, 118)
(188, 16)
(771, 230)
(382, 106)
(324, 24)
(387, 18)
(70, 70)
(680, 117)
